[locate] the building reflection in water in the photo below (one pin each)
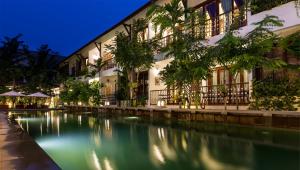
(105, 143)
(170, 145)
(79, 119)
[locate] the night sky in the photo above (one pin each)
(65, 25)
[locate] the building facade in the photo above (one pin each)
(219, 15)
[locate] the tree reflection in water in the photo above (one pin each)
(86, 141)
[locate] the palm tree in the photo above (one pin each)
(132, 54)
(190, 64)
(235, 53)
(12, 60)
(95, 68)
(41, 69)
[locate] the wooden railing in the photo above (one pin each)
(211, 27)
(111, 98)
(110, 63)
(235, 93)
(170, 96)
(210, 95)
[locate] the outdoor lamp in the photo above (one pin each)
(106, 103)
(160, 103)
(10, 104)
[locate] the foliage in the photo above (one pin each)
(27, 70)
(191, 62)
(123, 87)
(96, 96)
(11, 59)
(77, 91)
(41, 69)
(236, 53)
(291, 44)
(95, 68)
(131, 53)
(262, 5)
(281, 94)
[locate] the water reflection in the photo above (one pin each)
(90, 142)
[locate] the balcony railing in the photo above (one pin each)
(210, 95)
(111, 98)
(235, 93)
(221, 24)
(211, 27)
(170, 96)
(110, 63)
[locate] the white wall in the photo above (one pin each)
(154, 72)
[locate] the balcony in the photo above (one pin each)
(208, 28)
(109, 63)
(210, 95)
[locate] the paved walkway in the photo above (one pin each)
(19, 151)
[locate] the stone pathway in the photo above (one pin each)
(19, 151)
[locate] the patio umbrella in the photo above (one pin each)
(13, 94)
(39, 95)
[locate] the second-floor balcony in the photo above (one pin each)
(109, 63)
(207, 28)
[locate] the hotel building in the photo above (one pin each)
(219, 14)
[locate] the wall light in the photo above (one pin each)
(106, 103)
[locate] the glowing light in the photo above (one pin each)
(106, 103)
(156, 71)
(79, 119)
(161, 133)
(184, 143)
(212, 163)
(132, 118)
(161, 103)
(107, 125)
(96, 161)
(79, 103)
(65, 117)
(41, 129)
(10, 105)
(107, 164)
(158, 154)
(57, 125)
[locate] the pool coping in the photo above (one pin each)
(18, 150)
(272, 119)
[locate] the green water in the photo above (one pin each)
(88, 141)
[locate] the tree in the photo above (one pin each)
(236, 53)
(95, 93)
(95, 68)
(12, 60)
(191, 62)
(132, 53)
(41, 69)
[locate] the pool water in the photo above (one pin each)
(86, 141)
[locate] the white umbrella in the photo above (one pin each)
(12, 94)
(38, 94)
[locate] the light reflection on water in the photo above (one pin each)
(89, 142)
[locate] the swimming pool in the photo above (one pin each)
(88, 141)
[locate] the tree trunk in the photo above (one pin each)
(225, 89)
(14, 83)
(236, 92)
